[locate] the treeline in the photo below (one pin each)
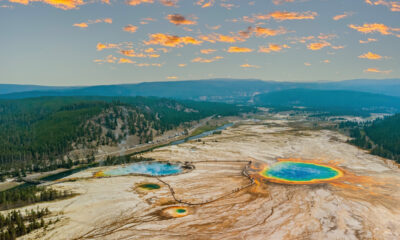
(37, 134)
(381, 137)
(15, 224)
(23, 196)
(117, 160)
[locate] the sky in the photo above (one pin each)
(93, 42)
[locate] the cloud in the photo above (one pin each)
(204, 3)
(375, 27)
(278, 2)
(341, 16)
(318, 45)
(272, 48)
(209, 60)
(148, 65)
(249, 66)
(371, 56)
(337, 47)
(368, 40)
(125, 60)
(143, 54)
(394, 6)
(376, 70)
(169, 3)
(282, 16)
(326, 61)
(101, 46)
(62, 4)
(228, 6)
(171, 40)
(137, 2)
(81, 25)
(216, 27)
(86, 24)
(108, 59)
(207, 51)
(307, 64)
(239, 50)
(130, 28)
(182, 65)
(6, 6)
(172, 77)
(215, 37)
(265, 32)
(178, 19)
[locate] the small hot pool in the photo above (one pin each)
(300, 172)
(175, 212)
(150, 186)
(149, 168)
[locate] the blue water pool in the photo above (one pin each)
(152, 168)
(300, 172)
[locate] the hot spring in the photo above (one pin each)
(300, 172)
(148, 168)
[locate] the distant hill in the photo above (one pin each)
(329, 100)
(15, 88)
(223, 90)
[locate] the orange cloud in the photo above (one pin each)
(376, 70)
(137, 2)
(281, 16)
(86, 24)
(368, 40)
(318, 45)
(249, 66)
(371, 56)
(260, 31)
(182, 65)
(62, 4)
(239, 50)
(81, 25)
(272, 48)
(108, 59)
(130, 28)
(172, 77)
(178, 19)
(326, 61)
(212, 38)
(171, 40)
(204, 3)
(207, 51)
(101, 46)
(169, 3)
(204, 60)
(125, 60)
(307, 64)
(375, 27)
(278, 2)
(341, 16)
(394, 6)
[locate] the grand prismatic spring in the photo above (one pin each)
(300, 172)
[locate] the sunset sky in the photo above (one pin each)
(82, 42)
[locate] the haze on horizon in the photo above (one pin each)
(77, 42)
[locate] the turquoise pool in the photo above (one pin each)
(152, 168)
